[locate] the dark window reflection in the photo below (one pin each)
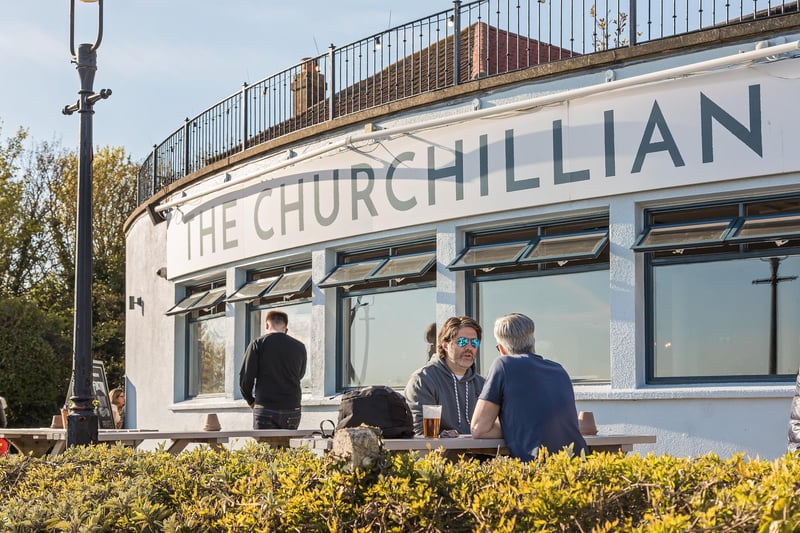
(571, 313)
(386, 336)
(207, 356)
(710, 319)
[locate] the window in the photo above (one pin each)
(287, 288)
(204, 309)
(387, 297)
(723, 303)
(557, 274)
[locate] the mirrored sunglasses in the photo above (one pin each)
(463, 341)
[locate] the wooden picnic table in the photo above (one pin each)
(468, 444)
(41, 441)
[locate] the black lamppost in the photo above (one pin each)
(82, 420)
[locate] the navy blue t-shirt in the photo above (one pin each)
(537, 405)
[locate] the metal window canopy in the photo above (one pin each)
(404, 266)
(350, 273)
(396, 267)
(740, 230)
(251, 290)
(489, 256)
(563, 248)
(681, 236)
(549, 248)
(199, 301)
(766, 228)
(289, 284)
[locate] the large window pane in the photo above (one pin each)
(207, 356)
(386, 340)
(571, 313)
(299, 328)
(710, 319)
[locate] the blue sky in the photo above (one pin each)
(165, 60)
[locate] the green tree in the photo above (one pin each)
(19, 227)
(114, 198)
(38, 193)
(34, 362)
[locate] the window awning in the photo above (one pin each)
(546, 249)
(252, 289)
(198, 302)
(680, 236)
(404, 266)
(766, 228)
(350, 273)
(394, 267)
(290, 283)
(563, 248)
(489, 256)
(741, 230)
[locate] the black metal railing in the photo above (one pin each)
(470, 41)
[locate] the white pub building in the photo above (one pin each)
(636, 192)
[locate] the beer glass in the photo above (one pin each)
(431, 419)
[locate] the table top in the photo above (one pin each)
(467, 442)
(108, 434)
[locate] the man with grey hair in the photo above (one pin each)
(526, 399)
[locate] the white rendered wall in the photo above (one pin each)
(688, 420)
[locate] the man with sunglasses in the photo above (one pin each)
(527, 400)
(449, 378)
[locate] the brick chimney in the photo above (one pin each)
(308, 86)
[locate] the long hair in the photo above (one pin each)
(115, 394)
(450, 329)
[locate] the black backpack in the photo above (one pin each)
(377, 406)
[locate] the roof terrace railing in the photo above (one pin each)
(470, 41)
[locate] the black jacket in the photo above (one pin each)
(271, 372)
(794, 419)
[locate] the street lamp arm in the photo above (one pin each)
(94, 97)
(70, 109)
(102, 95)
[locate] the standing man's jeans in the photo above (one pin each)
(264, 418)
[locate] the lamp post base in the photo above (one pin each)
(82, 429)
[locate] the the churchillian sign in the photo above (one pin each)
(664, 134)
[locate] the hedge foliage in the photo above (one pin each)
(258, 488)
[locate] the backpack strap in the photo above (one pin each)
(327, 433)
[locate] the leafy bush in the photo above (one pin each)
(258, 488)
(35, 362)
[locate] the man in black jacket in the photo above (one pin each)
(270, 376)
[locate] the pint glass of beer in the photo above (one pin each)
(431, 418)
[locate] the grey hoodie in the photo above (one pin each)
(435, 384)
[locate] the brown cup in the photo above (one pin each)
(57, 422)
(586, 423)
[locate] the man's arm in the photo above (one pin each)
(247, 375)
(485, 424)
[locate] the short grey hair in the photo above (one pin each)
(515, 332)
